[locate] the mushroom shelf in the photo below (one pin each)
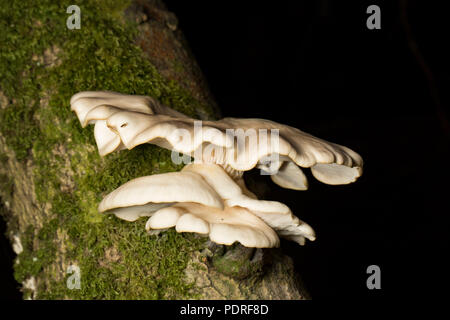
(209, 196)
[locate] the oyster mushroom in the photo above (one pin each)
(210, 196)
(127, 121)
(203, 198)
(232, 224)
(85, 101)
(104, 104)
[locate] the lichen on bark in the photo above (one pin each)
(52, 177)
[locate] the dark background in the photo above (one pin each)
(314, 65)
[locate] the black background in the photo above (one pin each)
(314, 65)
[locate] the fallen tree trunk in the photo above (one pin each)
(52, 177)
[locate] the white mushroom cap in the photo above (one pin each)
(223, 226)
(330, 163)
(305, 151)
(210, 197)
(107, 141)
(276, 214)
(136, 128)
(290, 176)
(84, 102)
(133, 213)
(139, 119)
(162, 188)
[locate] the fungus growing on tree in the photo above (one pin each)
(203, 198)
(209, 196)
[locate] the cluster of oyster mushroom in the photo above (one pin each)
(208, 196)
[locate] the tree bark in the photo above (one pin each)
(52, 177)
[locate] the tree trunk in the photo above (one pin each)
(52, 177)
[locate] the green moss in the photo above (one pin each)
(238, 262)
(39, 125)
(32, 260)
(6, 187)
(3, 158)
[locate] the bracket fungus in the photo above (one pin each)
(209, 196)
(203, 198)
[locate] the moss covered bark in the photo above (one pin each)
(52, 177)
